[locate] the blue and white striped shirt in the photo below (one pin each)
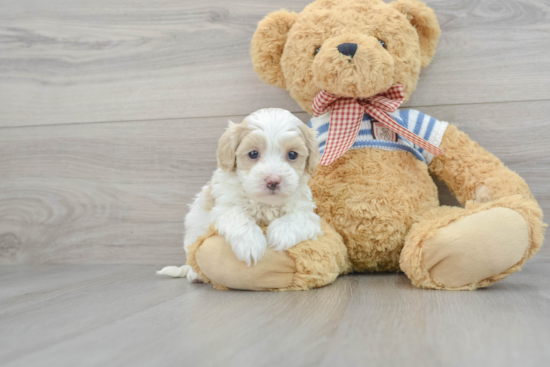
(373, 136)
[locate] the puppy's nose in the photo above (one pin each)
(272, 182)
(348, 49)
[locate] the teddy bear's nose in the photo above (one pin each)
(348, 49)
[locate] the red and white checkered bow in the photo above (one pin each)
(347, 114)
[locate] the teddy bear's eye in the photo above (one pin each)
(317, 50)
(383, 44)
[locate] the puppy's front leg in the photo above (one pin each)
(293, 228)
(243, 234)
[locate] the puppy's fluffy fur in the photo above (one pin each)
(264, 163)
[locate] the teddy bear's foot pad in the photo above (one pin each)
(216, 259)
(476, 247)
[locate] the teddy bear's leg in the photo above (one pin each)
(310, 264)
(454, 248)
(496, 232)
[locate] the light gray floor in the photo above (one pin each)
(123, 315)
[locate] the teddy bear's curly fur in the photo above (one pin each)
(380, 208)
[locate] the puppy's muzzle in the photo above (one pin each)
(272, 182)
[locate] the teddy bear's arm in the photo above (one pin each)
(472, 173)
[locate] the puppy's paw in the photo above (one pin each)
(193, 277)
(249, 244)
(280, 237)
(289, 230)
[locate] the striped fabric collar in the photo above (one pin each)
(421, 124)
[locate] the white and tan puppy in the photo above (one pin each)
(264, 164)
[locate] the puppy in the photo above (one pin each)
(264, 164)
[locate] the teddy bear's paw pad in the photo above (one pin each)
(476, 247)
(218, 262)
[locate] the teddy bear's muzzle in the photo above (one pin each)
(353, 65)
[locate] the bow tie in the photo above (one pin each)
(347, 114)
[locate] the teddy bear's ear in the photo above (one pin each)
(424, 20)
(267, 46)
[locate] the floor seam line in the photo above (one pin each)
(244, 115)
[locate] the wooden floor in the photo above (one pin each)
(110, 112)
(122, 315)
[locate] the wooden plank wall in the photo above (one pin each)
(110, 111)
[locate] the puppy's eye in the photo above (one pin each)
(383, 44)
(317, 50)
(253, 154)
(292, 155)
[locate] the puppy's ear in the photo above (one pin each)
(227, 159)
(424, 20)
(267, 46)
(314, 157)
(228, 144)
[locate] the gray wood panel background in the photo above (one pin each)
(110, 112)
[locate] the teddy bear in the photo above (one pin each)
(350, 64)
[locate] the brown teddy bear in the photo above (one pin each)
(362, 58)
